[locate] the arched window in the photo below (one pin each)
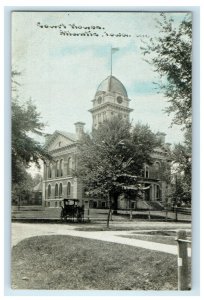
(157, 192)
(69, 166)
(99, 100)
(61, 167)
(68, 189)
(49, 191)
(56, 190)
(60, 190)
(57, 168)
(146, 172)
(104, 116)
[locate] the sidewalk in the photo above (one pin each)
(21, 231)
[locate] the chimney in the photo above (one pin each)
(79, 128)
(161, 136)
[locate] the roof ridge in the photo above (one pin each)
(68, 134)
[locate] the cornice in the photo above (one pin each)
(114, 105)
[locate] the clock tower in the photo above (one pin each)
(110, 100)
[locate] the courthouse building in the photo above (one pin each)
(111, 99)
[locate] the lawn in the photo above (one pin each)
(72, 263)
(163, 237)
(94, 214)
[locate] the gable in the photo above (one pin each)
(59, 141)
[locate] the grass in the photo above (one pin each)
(156, 236)
(73, 263)
(128, 227)
(99, 214)
(156, 239)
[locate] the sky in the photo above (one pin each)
(61, 73)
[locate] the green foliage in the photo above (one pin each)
(24, 183)
(25, 149)
(182, 185)
(144, 142)
(170, 54)
(112, 157)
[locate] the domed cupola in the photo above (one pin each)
(111, 99)
(113, 85)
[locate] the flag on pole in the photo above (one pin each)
(114, 50)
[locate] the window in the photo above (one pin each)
(60, 190)
(48, 204)
(119, 99)
(69, 166)
(56, 204)
(68, 189)
(157, 192)
(146, 172)
(57, 169)
(49, 191)
(104, 116)
(99, 100)
(61, 167)
(56, 190)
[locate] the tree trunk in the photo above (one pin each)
(115, 204)
(109, 211)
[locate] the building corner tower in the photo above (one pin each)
(111, 99)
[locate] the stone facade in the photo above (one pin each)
(59, 181)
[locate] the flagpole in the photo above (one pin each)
(113, 50)
(111, 60)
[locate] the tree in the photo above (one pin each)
(111, 158)
(170, 54)
(24, 186)
(37, 179)
(25, 122)
(181, 158)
